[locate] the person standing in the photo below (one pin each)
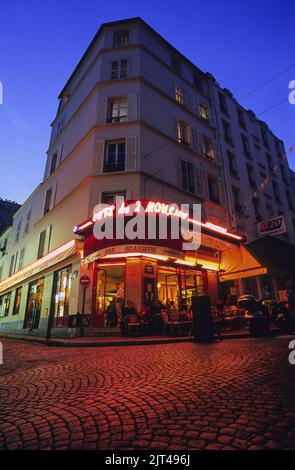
(119, 301)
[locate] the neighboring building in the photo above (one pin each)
(139, 120)
(259, 186)
(7, 210)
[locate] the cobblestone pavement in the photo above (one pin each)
(231, 395)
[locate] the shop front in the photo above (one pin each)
(149, 271)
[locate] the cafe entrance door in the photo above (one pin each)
(108, 277)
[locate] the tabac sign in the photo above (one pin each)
(272, 227)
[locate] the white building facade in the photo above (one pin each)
(139, 120)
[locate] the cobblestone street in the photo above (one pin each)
(231, 395)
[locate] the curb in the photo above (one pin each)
(115, 343)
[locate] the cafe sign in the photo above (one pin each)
(275, 226)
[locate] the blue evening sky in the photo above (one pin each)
(242, 44)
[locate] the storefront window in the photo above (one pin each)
(177, 285)
(34, 304)
(250, 286)
(16, 304)
(5, 304)
(61, 295)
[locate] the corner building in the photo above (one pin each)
(136, 119)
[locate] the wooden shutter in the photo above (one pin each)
(191, 177)
(205, 187)
(222, 194)
(194, 139)
(131, 160)
(212, 116)
(102, 110)
(132, 107)
(98, 156)
(198, 179)
(196, 105)
(217, 155)
(174, 127)
(200, 143)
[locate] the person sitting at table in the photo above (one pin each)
(226, 310)
(127, 311)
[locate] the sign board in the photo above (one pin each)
(135, 248)
(85, 281)
(275, 226)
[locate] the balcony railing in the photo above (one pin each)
(109, 167)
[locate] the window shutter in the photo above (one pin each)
(98, 156)
(129, 67)
(217, 152)
(132, 107)
(212, 116)
(205, 187)
(196, 106)
(222, 195)
(131, 161)
(102, 110)
(174, 127)
(191, 177)
(47, 167)
(183, 176)
(194, 139)
(200, 143)
(198, 180)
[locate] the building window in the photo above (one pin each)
(236, 199)
(251, 176)
(12, 265)
(61, 295)
(246, 147)
(269, 209)
(204, 111)
(232, 163)
(21, 258)
(208, 147)
(117, 110)
(278, 148)
(41, 247)
(5, 304)
(47, 201)
(188, 176)
(256, 207)
(53, 163)
(289, 199)
(27, 221)
(17, 300)
(213, 189)
(114, 157)
(179, 95)
(18, 229)
(121, 38)
(264, 137)
(276, 192)
(198, 82)
(110, 198)
(227, 132)
(175, 65)
(34, 304)
(183, 133)
(269, 161)
(241, 118)
(222, 103)
(119, 69)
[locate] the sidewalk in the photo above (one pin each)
(115, 340)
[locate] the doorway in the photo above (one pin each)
(107, 278)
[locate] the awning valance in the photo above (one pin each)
(237, 263)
